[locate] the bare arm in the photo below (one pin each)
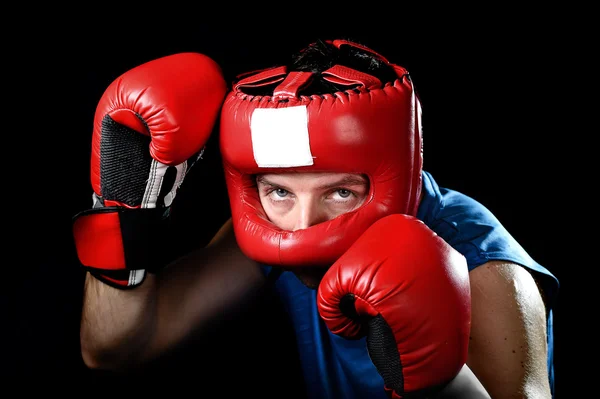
(121, 327)
(508, 349)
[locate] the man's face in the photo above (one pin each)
(294, 201)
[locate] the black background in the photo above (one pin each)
(498, 121)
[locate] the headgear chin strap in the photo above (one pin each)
(371, 128)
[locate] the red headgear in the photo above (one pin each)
(373, 129)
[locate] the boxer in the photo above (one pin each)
(395, 286)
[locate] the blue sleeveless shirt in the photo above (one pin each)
(338, 368)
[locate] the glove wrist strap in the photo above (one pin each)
(119, 239)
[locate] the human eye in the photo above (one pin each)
(342, 195)
(278, 195)
(279, 192)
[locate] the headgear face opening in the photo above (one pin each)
(371, 128)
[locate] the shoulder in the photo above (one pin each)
(464, 223)
(508, 287)
(499, 275)
(467, 225)
(473, 230)
(444, 205)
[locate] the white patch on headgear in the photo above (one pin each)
(280, 137)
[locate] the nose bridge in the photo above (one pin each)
(309, 212)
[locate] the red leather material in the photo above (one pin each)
(346, 76)
(178, 97)
(114, 282)
(99, 241)
(295, 81)
(175, 100)
(403, 271)
(372, 130)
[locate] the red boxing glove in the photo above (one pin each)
(408, 291)
(150, 125)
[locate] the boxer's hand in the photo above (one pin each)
(150, 125)
(407, 291)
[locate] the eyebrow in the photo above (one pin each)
(347, 180)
